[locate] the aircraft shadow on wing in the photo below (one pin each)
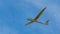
(36, 18)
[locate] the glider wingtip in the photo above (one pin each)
(45, 7)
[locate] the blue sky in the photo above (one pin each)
(13, 14)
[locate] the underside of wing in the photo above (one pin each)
(39, 14)
(28, 23)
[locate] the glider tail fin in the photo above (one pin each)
(47, 22)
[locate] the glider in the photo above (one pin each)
(36, 18)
